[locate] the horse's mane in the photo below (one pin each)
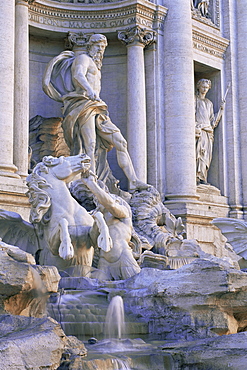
(39, 198)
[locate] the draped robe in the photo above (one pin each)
(204, 116)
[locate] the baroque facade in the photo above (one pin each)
(157, 52)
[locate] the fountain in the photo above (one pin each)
(114, 323)
(129, 246)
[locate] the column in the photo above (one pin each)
(152, 121)
(232, 154)
(242, 90)
(136, 39)
(7, 21)
(21, 88)
(179, 102)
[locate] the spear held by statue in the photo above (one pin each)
(222, 107)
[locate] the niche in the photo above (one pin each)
(215, 173)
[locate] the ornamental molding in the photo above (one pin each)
(24, 2)
(136, 35)
(98, 18)
(211, 44)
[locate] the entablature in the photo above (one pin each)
(208, 42)
(108, 17)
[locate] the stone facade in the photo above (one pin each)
(157, 51)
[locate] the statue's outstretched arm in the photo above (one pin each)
(116, 209)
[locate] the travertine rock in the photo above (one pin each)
(24, 288)
(226, 352)
(46, 138)
(73, 352)
(16, 253)
(199, 300)
(30, 343)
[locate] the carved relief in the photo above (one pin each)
(79, 39)
(97, 17)
(206, 11)
(136, 35)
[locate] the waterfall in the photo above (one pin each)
(114, 322)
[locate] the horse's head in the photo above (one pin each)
(66, 168)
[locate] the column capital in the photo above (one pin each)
(76, 40)
(136, 35)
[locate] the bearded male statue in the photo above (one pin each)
(74, 78)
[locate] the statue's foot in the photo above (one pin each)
(202, 182)
(138, 185)
(66, 251)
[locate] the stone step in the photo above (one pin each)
(96, 329)
(82, 313)
(77, 318)
(77, 310)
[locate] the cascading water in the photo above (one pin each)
(114, 322)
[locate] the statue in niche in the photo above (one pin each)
(200, 6)
(119, 262)
(74, 78)
(206, 122)
(203, 7)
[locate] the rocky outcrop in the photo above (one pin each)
(203, 299)
(226, 352)
(29, 343)
(24, 287)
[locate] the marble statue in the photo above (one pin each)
(206, 121)
(203, 7)
(118, 263)
(153, 222)
(235, 231)
(192, 5)
(65, 231)
(74, 78)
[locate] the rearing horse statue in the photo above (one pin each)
(66, 232)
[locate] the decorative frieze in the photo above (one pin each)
(209, 43)
(136, 35)
(97, 17)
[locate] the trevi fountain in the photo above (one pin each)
(123, 185)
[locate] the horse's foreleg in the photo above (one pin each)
(66, 250)
(104, 240)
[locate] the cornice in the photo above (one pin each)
(107, 17)
(209, 43)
